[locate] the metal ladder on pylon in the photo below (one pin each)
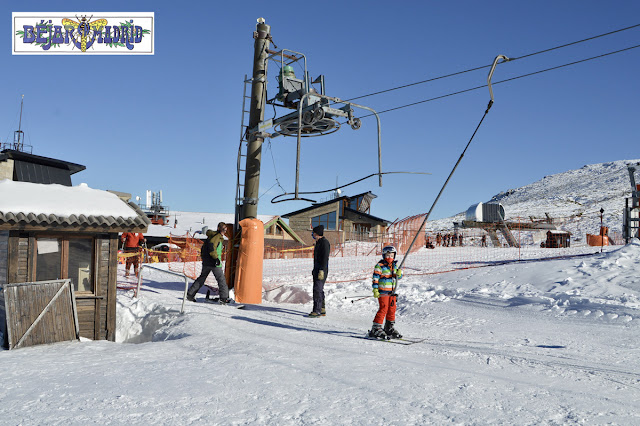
(242, 151)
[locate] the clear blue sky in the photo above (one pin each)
(171, 121)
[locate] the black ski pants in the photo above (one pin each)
(223, 290)
(318, 295)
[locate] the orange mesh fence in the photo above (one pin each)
(435, 250)
(439, 250)
(185, 257)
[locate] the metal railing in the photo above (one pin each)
(186, 282)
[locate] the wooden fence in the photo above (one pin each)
(40, 312)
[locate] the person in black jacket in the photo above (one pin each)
(320, 270)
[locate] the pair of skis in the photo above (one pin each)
(401, 341)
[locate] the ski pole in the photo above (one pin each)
(406, 255)
(362, 298)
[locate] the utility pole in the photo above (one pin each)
(262, 38)
(249, 205)
(601, 229)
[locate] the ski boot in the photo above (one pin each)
(377, 332)
(390, 330)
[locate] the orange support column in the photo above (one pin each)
(248, 288)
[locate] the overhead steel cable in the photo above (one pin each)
(503, 81)
(273, 200)
(496, 61)
(274, 171)
(489, 65)
(419, 82)
(575, 42)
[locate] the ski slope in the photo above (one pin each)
(551, 342)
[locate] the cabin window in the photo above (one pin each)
(65, 257)
(355, 203)
(48, 259)
(328, 220)
(80, 253)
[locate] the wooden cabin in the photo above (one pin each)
(344, 218)
(53, 231)
(557, 239)
(67, 232)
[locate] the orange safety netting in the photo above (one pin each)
(187, 255)
(449, 248)
(436, 250)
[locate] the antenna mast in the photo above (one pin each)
(18, 135)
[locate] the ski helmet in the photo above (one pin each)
(389, 249)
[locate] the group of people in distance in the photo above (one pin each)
(449, 240)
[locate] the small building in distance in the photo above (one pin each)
(557, 239)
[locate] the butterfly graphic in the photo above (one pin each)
(85, 30)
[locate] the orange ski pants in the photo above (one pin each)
(386, 310)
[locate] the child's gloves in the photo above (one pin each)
(376, 293)
(321, 275)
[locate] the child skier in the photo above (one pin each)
(383, 289)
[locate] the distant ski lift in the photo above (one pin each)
(485, 212)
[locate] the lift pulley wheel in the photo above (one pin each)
(323, 126)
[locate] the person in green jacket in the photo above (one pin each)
(211, 253)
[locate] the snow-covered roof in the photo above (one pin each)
(26, 204)
(190, 222)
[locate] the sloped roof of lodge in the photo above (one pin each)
(32, 206)
(365, 215)
(346, 209)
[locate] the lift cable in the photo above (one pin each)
(273, 200)
(441, 97)
(457, 93)
(504, 81)
(274, 171)
(488, 66)
(496, 61)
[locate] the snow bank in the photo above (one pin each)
(138, 321)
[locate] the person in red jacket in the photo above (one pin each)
(132, 243)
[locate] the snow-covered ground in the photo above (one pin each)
(531, 342)
(550, 342)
